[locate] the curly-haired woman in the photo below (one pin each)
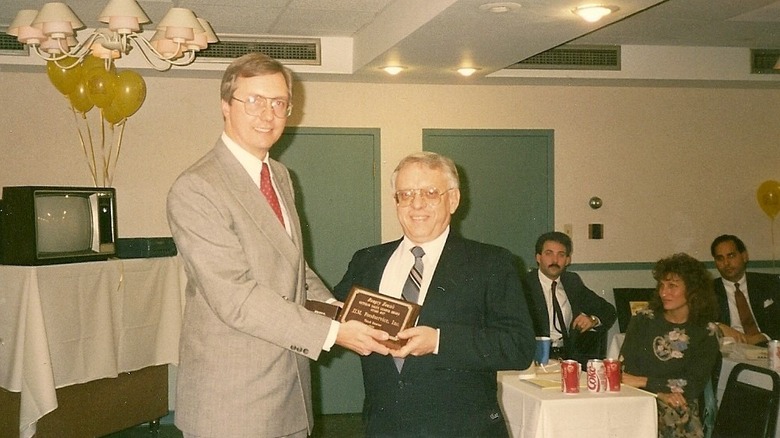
(671, 347)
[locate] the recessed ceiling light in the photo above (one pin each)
(594, 13)
(467, 71)
(393, 69)
(499, 7)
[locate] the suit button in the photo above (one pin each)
(401, 384)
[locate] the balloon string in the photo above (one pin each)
(91, 165)
(118, 148)
(106, 153)
(772, 228)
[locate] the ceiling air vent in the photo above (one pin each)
(291, 51)
(9, 45)
(762, 61)
(574, 58)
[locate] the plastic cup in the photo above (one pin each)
(542, 355)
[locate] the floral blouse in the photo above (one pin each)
(673, 357)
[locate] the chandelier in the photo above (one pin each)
(51, 33)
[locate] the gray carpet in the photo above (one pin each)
(325, 426)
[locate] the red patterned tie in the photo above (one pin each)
(748, 323)
(268, 191)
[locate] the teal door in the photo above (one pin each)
(337, 196)
(506, 184)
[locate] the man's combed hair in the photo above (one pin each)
(727, 238)
(251, 65)
(702, 305)
(433, 161)
(555, 236)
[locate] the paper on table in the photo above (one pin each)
(544, 383)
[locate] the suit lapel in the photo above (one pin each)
(257, 208)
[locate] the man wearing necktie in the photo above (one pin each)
(246, 338)
(574, 317)
(474, 320)
(749, 301)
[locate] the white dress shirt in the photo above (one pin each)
(736, 321)
(563, 300)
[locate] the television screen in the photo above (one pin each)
(64, 224)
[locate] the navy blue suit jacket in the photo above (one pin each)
(764, 291)
(582, 300)
(476, 301)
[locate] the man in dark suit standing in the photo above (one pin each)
(574, 317)
(749, 301)
(474, 319)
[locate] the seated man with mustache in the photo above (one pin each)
(562, 307)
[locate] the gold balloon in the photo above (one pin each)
(91, 62)
(79, 98)
(101, 87)
(112, 114)
(64, 76)
(768, 196)
(130, 92)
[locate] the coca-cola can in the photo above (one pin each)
(773, 354)
(596, 376)
(614, 374)
(570, 376)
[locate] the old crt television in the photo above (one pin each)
(47, 225)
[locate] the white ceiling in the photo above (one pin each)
(432, 38)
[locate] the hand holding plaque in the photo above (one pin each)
(381, 312)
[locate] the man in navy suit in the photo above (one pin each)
(762, 293)
(474, 319)
(577, 320)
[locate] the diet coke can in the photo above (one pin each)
(596, 376)
(570, 376)
(614, 374)
(773, 354)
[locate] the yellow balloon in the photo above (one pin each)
(91, 62)
(79, 98)
(130, 92)
(101, 87)
(112, 114)
(64, 76)
(768, 196)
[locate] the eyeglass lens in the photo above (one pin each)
(255, 105)
(432, 196)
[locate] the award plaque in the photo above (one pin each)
(380, 311)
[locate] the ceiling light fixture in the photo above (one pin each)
(467, 71)
(499, 7)
(51, 32)
(594, 13)
(393, 69)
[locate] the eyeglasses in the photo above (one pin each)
(254, 106)
(431, 196)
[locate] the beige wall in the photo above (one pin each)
(674, 166)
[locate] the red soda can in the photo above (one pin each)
(773, 354)
(614, 374)
(596, 376)
(570, 376)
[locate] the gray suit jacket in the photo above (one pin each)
(246, 338)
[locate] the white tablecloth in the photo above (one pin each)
(534, 412)
(66, 324)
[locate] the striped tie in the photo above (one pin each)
(411, 291)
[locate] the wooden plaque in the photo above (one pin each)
(380, 311)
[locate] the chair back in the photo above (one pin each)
(747, 410)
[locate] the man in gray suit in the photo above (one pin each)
(246, 338)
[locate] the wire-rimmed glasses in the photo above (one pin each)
(432, 196)
(254, 105)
